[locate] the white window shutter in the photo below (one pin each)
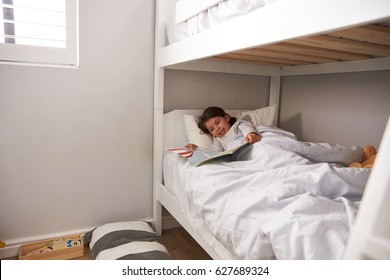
(39, 31)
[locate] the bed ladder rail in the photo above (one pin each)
(370, 236)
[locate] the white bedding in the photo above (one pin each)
(272, 204)
(212, 17)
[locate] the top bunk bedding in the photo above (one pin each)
(213, 16)
(283, 33)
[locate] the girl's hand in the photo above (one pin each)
(252, 137)
(191, 146)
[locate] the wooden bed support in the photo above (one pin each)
(359, 43)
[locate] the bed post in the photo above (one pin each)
(370, 235)
(157, 169)
(157, 117)
(164, 9)
(274, 95)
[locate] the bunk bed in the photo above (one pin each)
(276, 39)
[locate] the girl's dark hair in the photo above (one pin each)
(212, 112)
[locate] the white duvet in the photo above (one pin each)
(270, 202)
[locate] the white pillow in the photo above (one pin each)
(262, 116)
(194, 134)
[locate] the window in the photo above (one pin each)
(39, 31)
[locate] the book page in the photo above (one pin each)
(199, 156)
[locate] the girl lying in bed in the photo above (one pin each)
(228, 132)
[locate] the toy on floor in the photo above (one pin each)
(57, 244)
(369, 155)
(2, 244)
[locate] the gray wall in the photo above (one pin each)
(198, 90)
(76, 144)
(348, 108)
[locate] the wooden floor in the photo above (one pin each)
(180, 245)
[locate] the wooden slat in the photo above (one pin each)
(373, 33)
(315, 51)
(224, 59)
(340, 44)
(302, 58)
(237, 60)
(261, 59)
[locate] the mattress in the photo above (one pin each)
(173, 166)
(222, 12)
(269, 203)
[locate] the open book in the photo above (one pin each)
(198, 157)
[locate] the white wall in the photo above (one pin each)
(76, 144)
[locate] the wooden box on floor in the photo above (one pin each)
(58, 252)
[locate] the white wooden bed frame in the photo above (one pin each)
(370, 237)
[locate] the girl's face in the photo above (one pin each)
(218, 126)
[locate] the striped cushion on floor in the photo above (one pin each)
(125, 241)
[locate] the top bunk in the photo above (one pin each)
(280, 34)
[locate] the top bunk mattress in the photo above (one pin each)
(211, 17)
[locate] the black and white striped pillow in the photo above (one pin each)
(134, 240)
